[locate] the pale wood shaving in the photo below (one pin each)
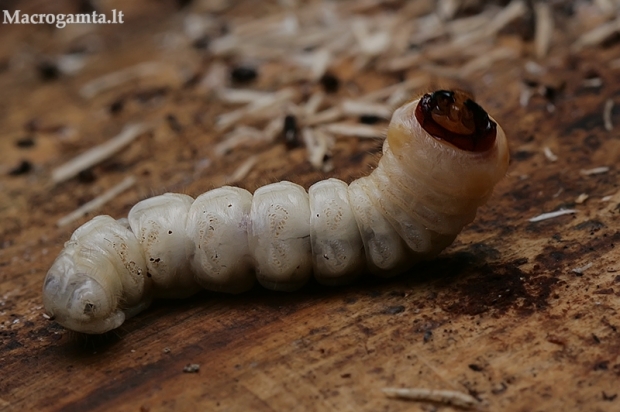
(197, 25)
(407, 85)
(239, 136)
(607, 110)
(266, 106)
(446, 397)
(214, 79)
(550, 155)
(71, 64)
(486, 60)
(98, 153)
(313, 103)
(273, 128)
(479, 63)
(359, 108)
(525, 96)
(582, 198)
(401, 62)
(544, 28)
(534, 68)
(469, 24)
(325, 116)
(607, 7)
(593, 82)
(597, 35)
(97, 202)
(115, 79)
(398, 98)
(277, 22)
(508, 14)
(241, 96)
(357, 130)
(318, 145)
(595, 171)
(428, 28)
(458, 50)
(446, 9)
(242, 171)
(317, 62)
(581, 269)
(551, 215)
(370, 44)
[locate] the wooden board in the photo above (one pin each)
(523, 316)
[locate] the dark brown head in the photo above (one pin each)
(454, 117)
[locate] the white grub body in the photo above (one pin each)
(408, 209)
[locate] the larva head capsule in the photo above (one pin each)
(76, 300)
(454, 117)
(446, 143)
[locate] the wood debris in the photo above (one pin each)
(597, 35)
(446, 397)
(486, 60)
(513, 11)
(361, 108)
(581, 198)
(240, 136)
(326, 116)
(267, 106)
(313, 103)
(609, 106)
(214, 79)
(407, 86)
(549, 154)
(312, 38)
(318, 145)
(581, 269)
(551, 215)
(593, 82)
(98, 153)
(191, 368)
(356, 130)
(242, 96)
(115, 79)
(595, 171)
(242, 171)
(544, 28)
(607, 7)
(97, 202)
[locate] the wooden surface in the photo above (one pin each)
(501, 314)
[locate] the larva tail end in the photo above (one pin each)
(81, 305)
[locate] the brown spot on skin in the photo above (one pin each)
(454, 117)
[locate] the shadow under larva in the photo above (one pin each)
(441, 159)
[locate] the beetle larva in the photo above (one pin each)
(441, 159)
